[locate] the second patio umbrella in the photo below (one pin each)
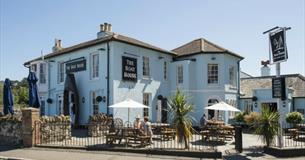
(222, 106)
(8, 101)
(33, 91)
(128, 103)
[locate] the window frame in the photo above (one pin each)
(146, 100)
(232, 76)
(212, 75)
(61, 72)
(146, 69)
(165, 70)
(179, 74)
(42, 106)
(59, 103)
(94, 103)
(42, 76)
(95, 69)
(34, 68)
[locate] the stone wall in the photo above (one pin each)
(52, 129)
(99, 124)
(11, 130)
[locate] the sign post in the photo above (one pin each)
(278, 50)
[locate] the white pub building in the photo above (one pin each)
(86, 78)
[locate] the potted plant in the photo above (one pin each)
(266, 125)
(181, 119)
(294, 118)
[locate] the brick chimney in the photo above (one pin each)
(105, 30)
(57, 45)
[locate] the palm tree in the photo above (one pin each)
(267, 125)
(181, 119)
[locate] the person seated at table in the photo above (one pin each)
(203, 121)
(137, 124)
(147, 128)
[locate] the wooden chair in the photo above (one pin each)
(116, 134)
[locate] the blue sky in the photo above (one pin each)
(27, 27)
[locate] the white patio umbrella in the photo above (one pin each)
(128, 103)
(222, 106)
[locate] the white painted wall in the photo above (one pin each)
(194, 85)
(155, 84)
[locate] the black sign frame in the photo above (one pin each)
(76, 66)
(278, 46)
(279, 88)
(129, 69)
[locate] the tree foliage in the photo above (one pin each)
(181, 118)
(20, 92)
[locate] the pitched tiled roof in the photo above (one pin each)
(295, 81)
(202, 46)
(112, 37)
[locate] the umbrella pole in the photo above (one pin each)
(128, 114)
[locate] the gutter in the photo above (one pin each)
(108, 76)
(238, 84)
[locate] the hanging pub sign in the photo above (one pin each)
(76, 66)
(129, 69)
(279, 88)
(278, 45)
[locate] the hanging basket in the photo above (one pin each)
(49, 100)
(99, 98)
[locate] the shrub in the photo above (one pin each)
(251, 118)
(294, 117)
(239, 117)
(266, 125)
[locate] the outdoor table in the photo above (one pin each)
(218, 132)
(122, 133)
(301, 126)
(159, 124)
(215, 122)
(292, 133)
(157, 127)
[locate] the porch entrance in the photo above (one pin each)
(272, 106)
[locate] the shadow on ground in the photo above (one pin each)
(248, 153)
(80, 133)
(209, 143)
(8, 148)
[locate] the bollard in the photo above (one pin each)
(238, 139)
